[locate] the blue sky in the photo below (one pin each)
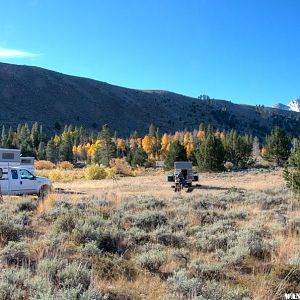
(246, 51)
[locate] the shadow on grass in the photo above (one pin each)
(67, 192)
(208, 187)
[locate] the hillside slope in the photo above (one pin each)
(29, 94)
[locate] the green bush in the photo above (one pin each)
(15, 284)
(165, 236)
(152, 259)
(26, 206)
(149, 220)
(138, 235)
(185, 284)
(15, 253)
(95, 172)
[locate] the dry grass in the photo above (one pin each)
(154, 183)
(258, 275)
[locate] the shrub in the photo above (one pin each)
(234, 256)
(121, 166)
(204, 270)
(216, 236)
(107, 239)
(90, 249)
(15, 253)
(66, 223)
(152, 260)
(14, 284)
(94, 172)
(212, 290)
(110, 173)
(74, 275)
(185, 283)
(149, 220)
(26, 206)
(143, 202)
(43, 165)
(10, 230)
(58, 175)
(295, 260)
(138, 235)
(92, 294)
(164, 235)
(253, 239)
(49, 269)
(66, 165)
(112, 266)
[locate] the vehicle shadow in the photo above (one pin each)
(67, 192)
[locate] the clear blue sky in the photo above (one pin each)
(243, 51)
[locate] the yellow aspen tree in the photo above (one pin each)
(201, 135)
(121, 144)
(57, 140)
(177, 136)
(164, 142)
(189, 149)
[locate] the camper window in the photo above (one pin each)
(26, 161)
(8, 156)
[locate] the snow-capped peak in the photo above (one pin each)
(293, 105)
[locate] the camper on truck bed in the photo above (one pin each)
(183, 175)
(17, 178)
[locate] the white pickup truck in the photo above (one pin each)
(17, 175)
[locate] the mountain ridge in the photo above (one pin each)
(29, 94)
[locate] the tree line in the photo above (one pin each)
(206, 147)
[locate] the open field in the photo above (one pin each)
(237, 236)
(154, 183)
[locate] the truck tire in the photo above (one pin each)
(44, 191)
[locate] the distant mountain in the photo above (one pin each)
(29, 94)
(293, 105)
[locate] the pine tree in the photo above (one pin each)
(51, 151)
(66, 149)
(202, 127)
(137, 156)
(106, 149)
(277, 146)
(176, 153)
(292, 175)
(238, 149)
(152, 130)
(41, 152)
(10, 138)
(24, 141)
(3, 138)
(211, 154)
(35, 135)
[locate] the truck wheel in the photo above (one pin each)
(44, 191)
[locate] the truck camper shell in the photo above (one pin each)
(28, 163)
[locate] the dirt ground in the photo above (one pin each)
(155, 184)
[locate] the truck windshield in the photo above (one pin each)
(26, 174)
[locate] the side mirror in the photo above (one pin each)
(34, 177)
